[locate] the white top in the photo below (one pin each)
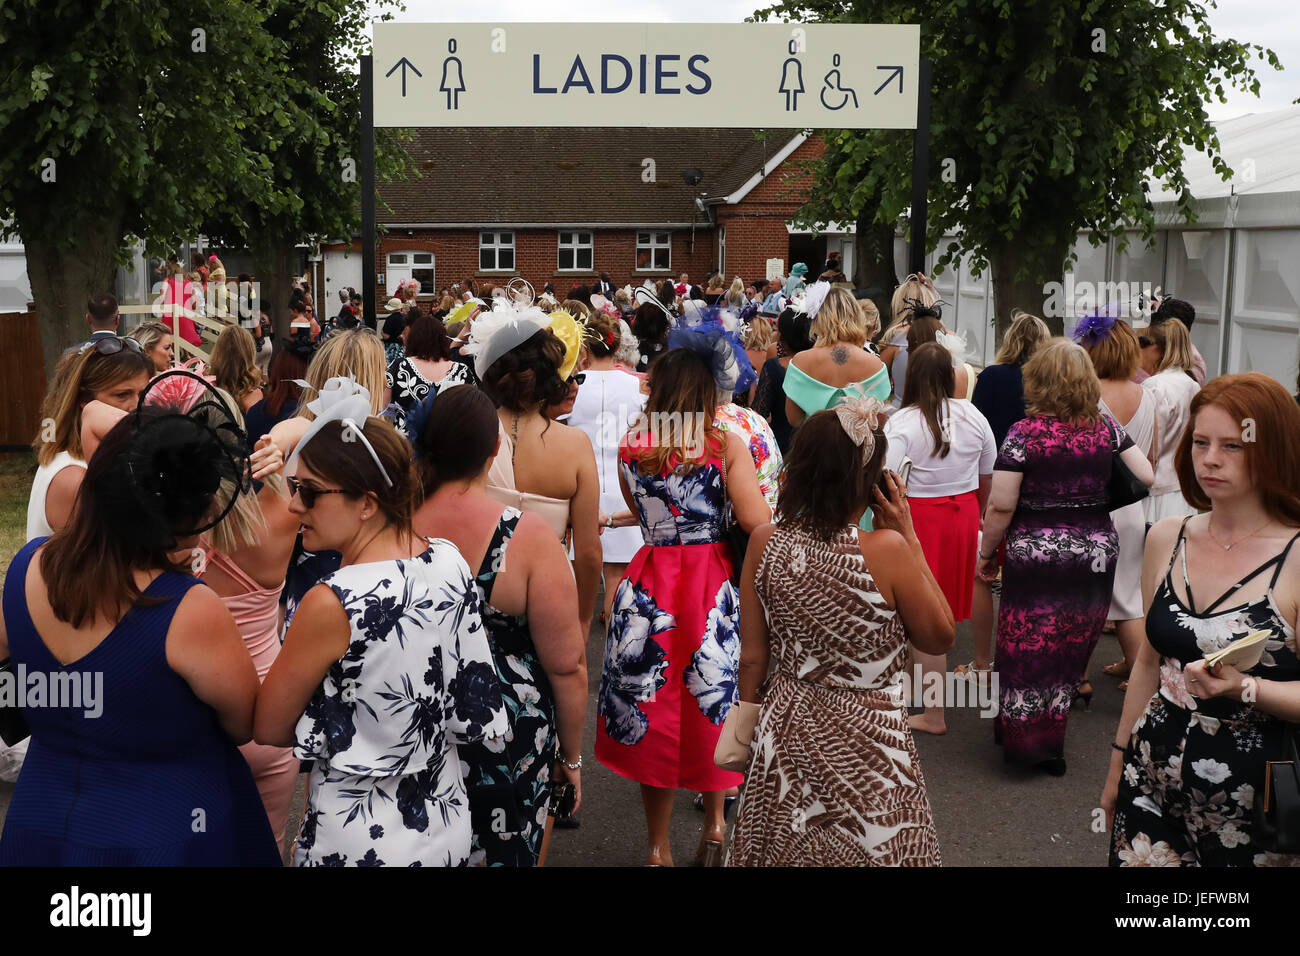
(607, 405)
(971, 452)
(38, 525)
(1174, 390)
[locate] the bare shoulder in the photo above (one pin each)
(1163, 534)
(762, 534)
(199, 615)
(883, 543)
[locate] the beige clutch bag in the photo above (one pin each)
(1243, 653)
(736, 742)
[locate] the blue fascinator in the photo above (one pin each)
(1095, 328)
(725, 353)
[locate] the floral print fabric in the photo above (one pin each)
(416, 680)
(673, 647)
(409, 388)
(760, 440)
(1194, 768)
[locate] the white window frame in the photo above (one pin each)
(575, 246)
(653, 245)
(497, 247)
(401, 265)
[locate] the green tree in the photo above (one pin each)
(1048, 117)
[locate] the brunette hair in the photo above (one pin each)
(286, 367)
(102, 308)
(1024, 337)
(794, 329)
(649, 324)
(1118, 355)
(528, 376)
(1272, 459)
(427, 338)
(78, 377)
(234, 362)
(1061, 382)
(827, 481)
(920, 331)
(604, 333)
(458, 437)
(682, 390)
(348, 465)
(89, 564)
(931, 380)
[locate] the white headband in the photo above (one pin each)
(341, 400)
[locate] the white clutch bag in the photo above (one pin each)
(736, 742)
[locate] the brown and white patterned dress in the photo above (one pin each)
(835, 779)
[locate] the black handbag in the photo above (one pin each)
(1277, 813)
(736, 536)
(1124, 488)
(13, 726)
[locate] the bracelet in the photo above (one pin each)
(571, 766)
(609, 521)
(1120, 747)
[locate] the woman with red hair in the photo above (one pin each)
(1190, 757)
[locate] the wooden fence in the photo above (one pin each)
(22, 379)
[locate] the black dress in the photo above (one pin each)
(1194, 768)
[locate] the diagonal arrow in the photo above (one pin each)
(898, 72)
(404, 63)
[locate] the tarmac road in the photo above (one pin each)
(987, 813)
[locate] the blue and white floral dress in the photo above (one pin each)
(417, 680)
(673, 649)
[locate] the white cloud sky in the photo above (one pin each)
(1270, 23)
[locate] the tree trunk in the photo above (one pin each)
(1012, 290)
(63, 276)
(273, 273)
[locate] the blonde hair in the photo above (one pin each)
(242, 527)
(839, 320)
(900, 312)
(149, 334)
(1173, 340)
(758, 333)
(355, 352)
(1061, 382)
(1025, 336)
(735, 296)
(870, 317)
(234, 362)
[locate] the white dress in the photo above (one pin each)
(1174, 390)
(38, 525)
(1130, 521)
(387, 787)
(607, 405)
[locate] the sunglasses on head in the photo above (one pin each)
(111, 345)
(307, 493)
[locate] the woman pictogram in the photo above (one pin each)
(453, 80)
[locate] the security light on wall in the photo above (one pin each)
(1194, 243)
(693, 176)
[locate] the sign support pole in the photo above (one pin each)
(368, 191)
(920, 171)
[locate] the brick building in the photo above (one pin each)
(562, 205)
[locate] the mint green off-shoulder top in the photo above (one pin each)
(813, 396)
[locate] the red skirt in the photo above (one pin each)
(948, 529)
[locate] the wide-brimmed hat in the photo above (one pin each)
(393, 305)
(799, 269)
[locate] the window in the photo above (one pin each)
(576, 252)
(653, 252)
(411, 265)
(496, 251)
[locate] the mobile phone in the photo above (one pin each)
(563, 797)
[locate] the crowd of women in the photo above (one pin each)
(406, 534)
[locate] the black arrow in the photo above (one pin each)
(898, 72)
(404, 63)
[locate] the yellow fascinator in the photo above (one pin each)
(569, 331)
(464, 311)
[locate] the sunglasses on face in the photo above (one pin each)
(111, 345)
(307, 493)
(580, 377)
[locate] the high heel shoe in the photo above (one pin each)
(1081, 694)
(1055, 766)
(709, 853)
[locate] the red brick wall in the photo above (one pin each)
(756, 225)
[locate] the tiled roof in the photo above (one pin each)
(584, 176)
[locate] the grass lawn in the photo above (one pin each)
(16, 472)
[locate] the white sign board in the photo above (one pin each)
(741, 75)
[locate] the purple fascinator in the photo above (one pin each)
(722, 349)
(1096, 327)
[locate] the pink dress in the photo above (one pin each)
(257, 615)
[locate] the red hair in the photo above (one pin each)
(1272, 419)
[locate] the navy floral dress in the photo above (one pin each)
(673, 649)
(508, 778)
(416, 681)
(1194, 768)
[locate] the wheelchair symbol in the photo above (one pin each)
(835, 84)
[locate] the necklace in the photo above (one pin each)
(1209, 528)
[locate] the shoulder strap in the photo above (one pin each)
(1281, 560)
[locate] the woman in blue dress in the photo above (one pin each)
(386, 668)
(141, 767)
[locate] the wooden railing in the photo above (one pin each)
(212, 323)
